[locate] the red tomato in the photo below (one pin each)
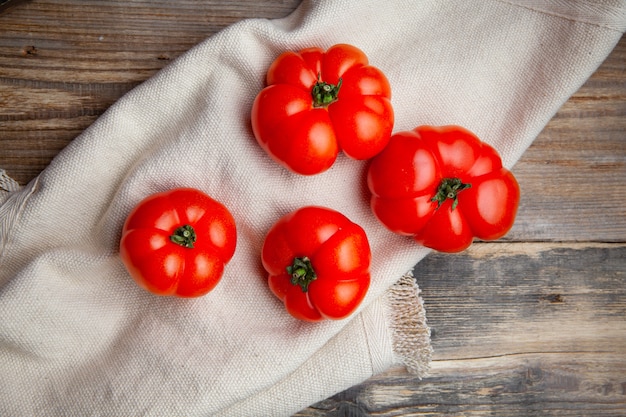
(318, 103)
(318, 263)
(443, 186)
(178, 242)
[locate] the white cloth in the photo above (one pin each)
(78, 337)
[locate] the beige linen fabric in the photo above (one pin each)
(78, 337)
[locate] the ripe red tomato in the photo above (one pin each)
(443, 186)
(318, 103)
(318, 263)
(178, 242)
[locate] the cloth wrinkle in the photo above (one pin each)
(581, 11)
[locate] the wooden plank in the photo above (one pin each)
(497, 299)
(518, 330)
(526, 385)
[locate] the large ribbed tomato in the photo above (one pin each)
(177, 242)
(443, 186)
(318, 263)
(317, 103)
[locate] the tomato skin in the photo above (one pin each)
(306, 137)
(163, 267)
(339, 253)
(405, 178)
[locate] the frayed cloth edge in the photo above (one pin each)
(7, 184)
(410, 333)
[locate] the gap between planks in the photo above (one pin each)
(533, 249)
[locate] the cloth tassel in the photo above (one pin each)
(410, 333)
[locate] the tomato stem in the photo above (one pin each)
(184, 236)
(302, 272)
(324, 94)
(449, 188)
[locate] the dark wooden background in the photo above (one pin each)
(532, 325)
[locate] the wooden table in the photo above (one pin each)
(534, 324)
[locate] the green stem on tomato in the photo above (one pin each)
(324, 94)
(302, 272)
(184, 236)
(449, 188)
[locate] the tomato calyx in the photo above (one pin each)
(449, 188)
(324, 94)
(302, 272)
(184, 236)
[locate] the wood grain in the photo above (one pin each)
(63, 63)
(572, 176)
(532, 325)
(518, 329)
